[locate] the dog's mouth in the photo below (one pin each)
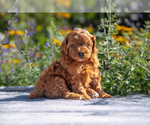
(80, 58)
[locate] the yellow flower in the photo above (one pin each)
(121, 39)
(66, 15)
(11, 32)
(20, 33)
(65, 32)
(127, 29)
(57, 42)
(16, 61)
(118, 27)
(130, 33)
(90, 29)
(6, 46)
(114, 37)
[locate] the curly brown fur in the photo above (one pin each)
(75, 75)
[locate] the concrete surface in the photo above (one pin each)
(16, 108)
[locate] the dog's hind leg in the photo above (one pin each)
(39, 89)
(71, 95)
(57, 88)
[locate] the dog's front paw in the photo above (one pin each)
(94, 95)
(86, 97)
(104, 95)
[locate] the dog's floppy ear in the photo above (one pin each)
(94, 58)
(94, 44)
(64, 46)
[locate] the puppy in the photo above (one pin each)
(75, 75)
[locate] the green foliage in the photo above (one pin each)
(125, 67)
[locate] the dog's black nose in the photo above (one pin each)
(81, 54)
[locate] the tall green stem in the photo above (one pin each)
(109, 28)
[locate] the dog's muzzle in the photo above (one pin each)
(81, 54)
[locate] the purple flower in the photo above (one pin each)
(47, 44)
(34, 31)
(141, 16)
(35, 24)
(16, 20)
(0, 70)
(22, 41)
(141, 4)
(31, 55)
(12, 70)
(6, 40)
(9, 22)
(29, 23)
(31, 60)
(29, 33)
(5, 50)
(132, 24)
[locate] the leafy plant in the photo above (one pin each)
(125, 67)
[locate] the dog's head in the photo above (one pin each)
(79, 45)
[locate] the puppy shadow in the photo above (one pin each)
(101, 102)
(24, 98)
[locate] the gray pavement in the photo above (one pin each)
(16, 108)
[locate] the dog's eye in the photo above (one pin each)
(72, 45)
(88, 45)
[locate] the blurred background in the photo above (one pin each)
(31, 34)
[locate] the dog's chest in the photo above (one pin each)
(81, 69)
